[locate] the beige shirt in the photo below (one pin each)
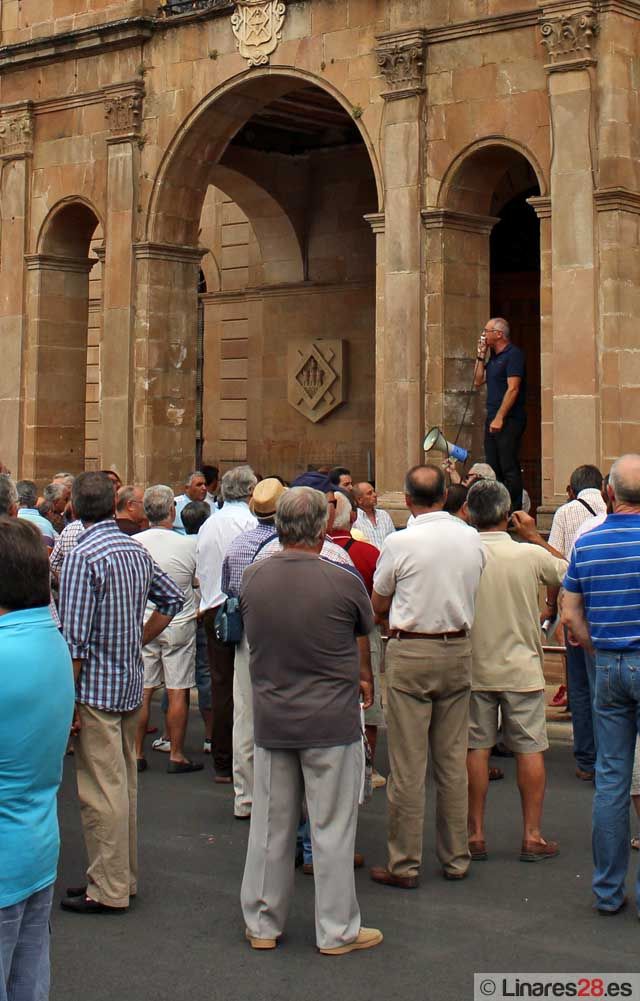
(432, 570)
(506, 640)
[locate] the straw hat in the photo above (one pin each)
(265, 497)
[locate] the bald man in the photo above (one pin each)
(600, 609)
(374, 523)
(501, 365)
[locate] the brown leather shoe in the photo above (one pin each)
(455, 875)
(535, 851)
(584, 776)
(381, 875)
(478, 851)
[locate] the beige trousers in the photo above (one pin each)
(427, 711)
(330, 777)
(242, 731)
(107, 777)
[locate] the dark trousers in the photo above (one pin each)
(221, 669)
(581, 684)
(502, 452)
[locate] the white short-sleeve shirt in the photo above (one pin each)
(433, 570)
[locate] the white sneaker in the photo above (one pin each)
(377, 780)
(206, 747)
(161, 744)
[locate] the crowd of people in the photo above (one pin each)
(275, 601)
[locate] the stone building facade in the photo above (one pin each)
(273, 229)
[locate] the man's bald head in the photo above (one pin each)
(365, 495)
(624, 480)
(425, 487)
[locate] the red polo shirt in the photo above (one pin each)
(363, 554)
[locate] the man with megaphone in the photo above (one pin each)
(501, 365)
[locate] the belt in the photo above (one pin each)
(402, 634)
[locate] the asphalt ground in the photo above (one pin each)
(183, 937)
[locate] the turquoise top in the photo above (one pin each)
(36, 708)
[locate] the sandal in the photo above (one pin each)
(495, 774)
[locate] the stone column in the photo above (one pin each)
(123, 112)
(55, 365)
(542, 207)
(165, 361)
(573, 99)
(399, 355)
(457, 307)
(376, 221)
(16, 143)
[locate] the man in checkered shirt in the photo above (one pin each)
(105, 583)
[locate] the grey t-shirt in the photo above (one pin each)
(302, 615)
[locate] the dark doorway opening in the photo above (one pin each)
(515, 295)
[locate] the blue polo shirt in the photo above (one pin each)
(498, 369)
(605, 570)
(36, 707)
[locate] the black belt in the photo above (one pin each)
(402, 634)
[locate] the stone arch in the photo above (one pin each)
(484, 210)
(274, 230)
(181, 181)
(292, 120)
(68, 228)
(60, 401)
(473, 177)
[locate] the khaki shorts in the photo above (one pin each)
(524, 725)
(374, 716)
(170, 659)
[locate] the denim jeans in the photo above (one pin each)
(304, 841)
(581, 680)
(24, 948)
(617, 707)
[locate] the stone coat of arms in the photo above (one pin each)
(257, 25)
(316, 382)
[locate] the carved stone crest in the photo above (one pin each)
(401, 58)
(123, 110)
(16, 130)
(569, 37)
(316, 377)
(257, 25)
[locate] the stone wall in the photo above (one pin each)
(132, 117)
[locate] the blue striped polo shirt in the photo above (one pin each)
(605, 570)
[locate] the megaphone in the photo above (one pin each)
(434, 439)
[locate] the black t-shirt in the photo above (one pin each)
(498, 369)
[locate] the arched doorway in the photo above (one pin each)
(62, 400)
(274, 177)
(491, 266)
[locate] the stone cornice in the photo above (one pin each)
(482, 26)
(541, 205)
(52, 262)
(258, 292)
(626, 8)
(168, 252)
(73, 44)
(617, 200)
(376, 221)
(467, 222)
